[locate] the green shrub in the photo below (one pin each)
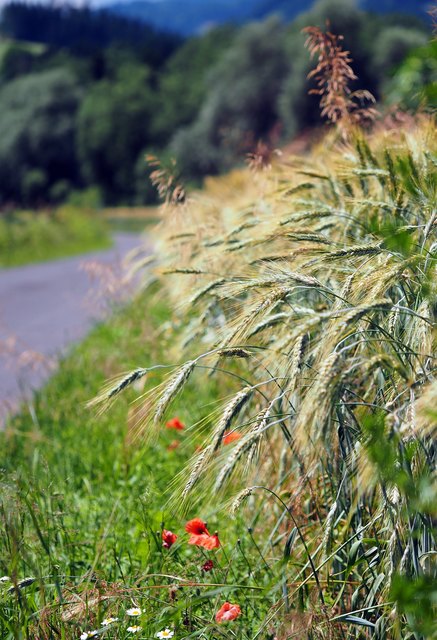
(26, 236)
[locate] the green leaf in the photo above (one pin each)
(347, 617)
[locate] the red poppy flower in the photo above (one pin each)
(231, 436)
(196, 526)
(208, 566)
(175, 423)
(168, 538)
(227, 612)
(200, 536)
(204, 540)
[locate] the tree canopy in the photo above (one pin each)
(93, 93)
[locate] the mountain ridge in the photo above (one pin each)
(196, 16)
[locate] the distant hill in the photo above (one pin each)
(415, 7)
(189, 17)
(290, 8)
(194, 16)
(82, 28)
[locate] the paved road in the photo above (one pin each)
(47, 306)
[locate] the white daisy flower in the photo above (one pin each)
(135, 611)
(134, 629)
(167, 633)
(5, 579)
(107, 621)
(90, 634)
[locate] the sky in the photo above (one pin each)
(81, 3)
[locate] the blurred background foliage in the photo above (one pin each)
(84, 94)
(66, 230)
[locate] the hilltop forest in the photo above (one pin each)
(85, 95)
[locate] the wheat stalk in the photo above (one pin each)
(196, 470)
(172, 389)
(231, 410)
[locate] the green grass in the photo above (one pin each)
(82, 506)
(27, 237)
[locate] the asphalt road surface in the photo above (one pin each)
(46, 307)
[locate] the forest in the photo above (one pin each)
(86, 95)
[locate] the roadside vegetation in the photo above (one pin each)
(26, 236)
(291, 384)
(247, 451)
(322, 316)
(133, 219)
(83, 502)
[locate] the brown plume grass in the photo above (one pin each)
(333, 76)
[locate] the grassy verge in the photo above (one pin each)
(83, 503)
(27, 237)
(316, 319)
(133, 219)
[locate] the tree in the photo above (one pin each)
(37, 128)
(114, 125)
(19, 59)
(83, 29)
(392, 45)
(241, 104)
(183, 83)
(413, 84)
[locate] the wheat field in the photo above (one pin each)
(308, 287)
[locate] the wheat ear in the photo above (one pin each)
(173, 388)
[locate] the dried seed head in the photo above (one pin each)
(329, 523)
(234, 352)
(182, 270)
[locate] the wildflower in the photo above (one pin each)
(196, 527)
(107, 621)
(231, 436)
(168, 538)
(207, 542)
(227, 612)
(134, 629)
(175, 423)
(167, 633)
(90, 634)
(208, 566)
(135, 611)
(200, 536)
(173, 593)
